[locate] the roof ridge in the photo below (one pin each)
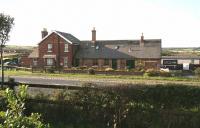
(62, 32)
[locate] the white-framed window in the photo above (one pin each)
(66, 48)
(65, 61)
(50, 47)
(49, 61)
(34, 62)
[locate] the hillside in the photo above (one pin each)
(12, 50)
(193, 51)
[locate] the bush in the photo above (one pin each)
(14, 117)
(164, 74)
(83, 67)
(140, 67)
(109, 69)
(152, 72)
(50, 70)
(11, 82)
(197, 72)
(91, 71)
(176, 73)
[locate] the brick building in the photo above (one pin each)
(63, 50)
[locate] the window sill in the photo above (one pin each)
(66, 51)
(49, 51)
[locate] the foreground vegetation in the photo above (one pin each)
(125, 106)
(136, 106)
(14, 116)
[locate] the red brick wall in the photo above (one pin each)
(150, 63)
(25, 61)
(57, 49)
(121, 63)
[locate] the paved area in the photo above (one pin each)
(75, 81)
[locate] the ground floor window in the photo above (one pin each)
(130, 64)
(34, 62)
(114, 63)
(65, 61)
(49, 61)
(76, 63)
(170, 62)
(95, 61)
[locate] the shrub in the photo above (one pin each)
(50, 70)
(152, 72)
(140, 67)
(197, 72)
(109, 69)
(164, 74)
(11, 82)
(75, 68)
(176, 73)
(91, 71)
(14, 117)
(83, 67)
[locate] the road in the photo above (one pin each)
(44, 80)
(75, 81)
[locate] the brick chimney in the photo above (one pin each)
(94, 35)
(142, 41)
(44, 32)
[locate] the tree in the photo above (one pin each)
(14, 116)
(6, 23)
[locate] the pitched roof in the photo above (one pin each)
(66, 36)
(124, 49)
(69, 37)
(34, 54)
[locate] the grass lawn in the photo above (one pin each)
(99, 76)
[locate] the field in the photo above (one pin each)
(193, 51)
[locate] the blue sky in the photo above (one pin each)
(176, 22)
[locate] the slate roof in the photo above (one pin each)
(34, 54)
(66, 36)
(116, 49)
(69, 37)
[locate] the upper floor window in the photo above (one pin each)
(66, 48)
(50, 47)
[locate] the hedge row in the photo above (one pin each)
(166, 106)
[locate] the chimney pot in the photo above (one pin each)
(142, 40)
(94, 35)
(44, 32)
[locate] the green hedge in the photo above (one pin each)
(126, 106)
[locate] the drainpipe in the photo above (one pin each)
(58, 57)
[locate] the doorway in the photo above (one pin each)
(114, 63)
